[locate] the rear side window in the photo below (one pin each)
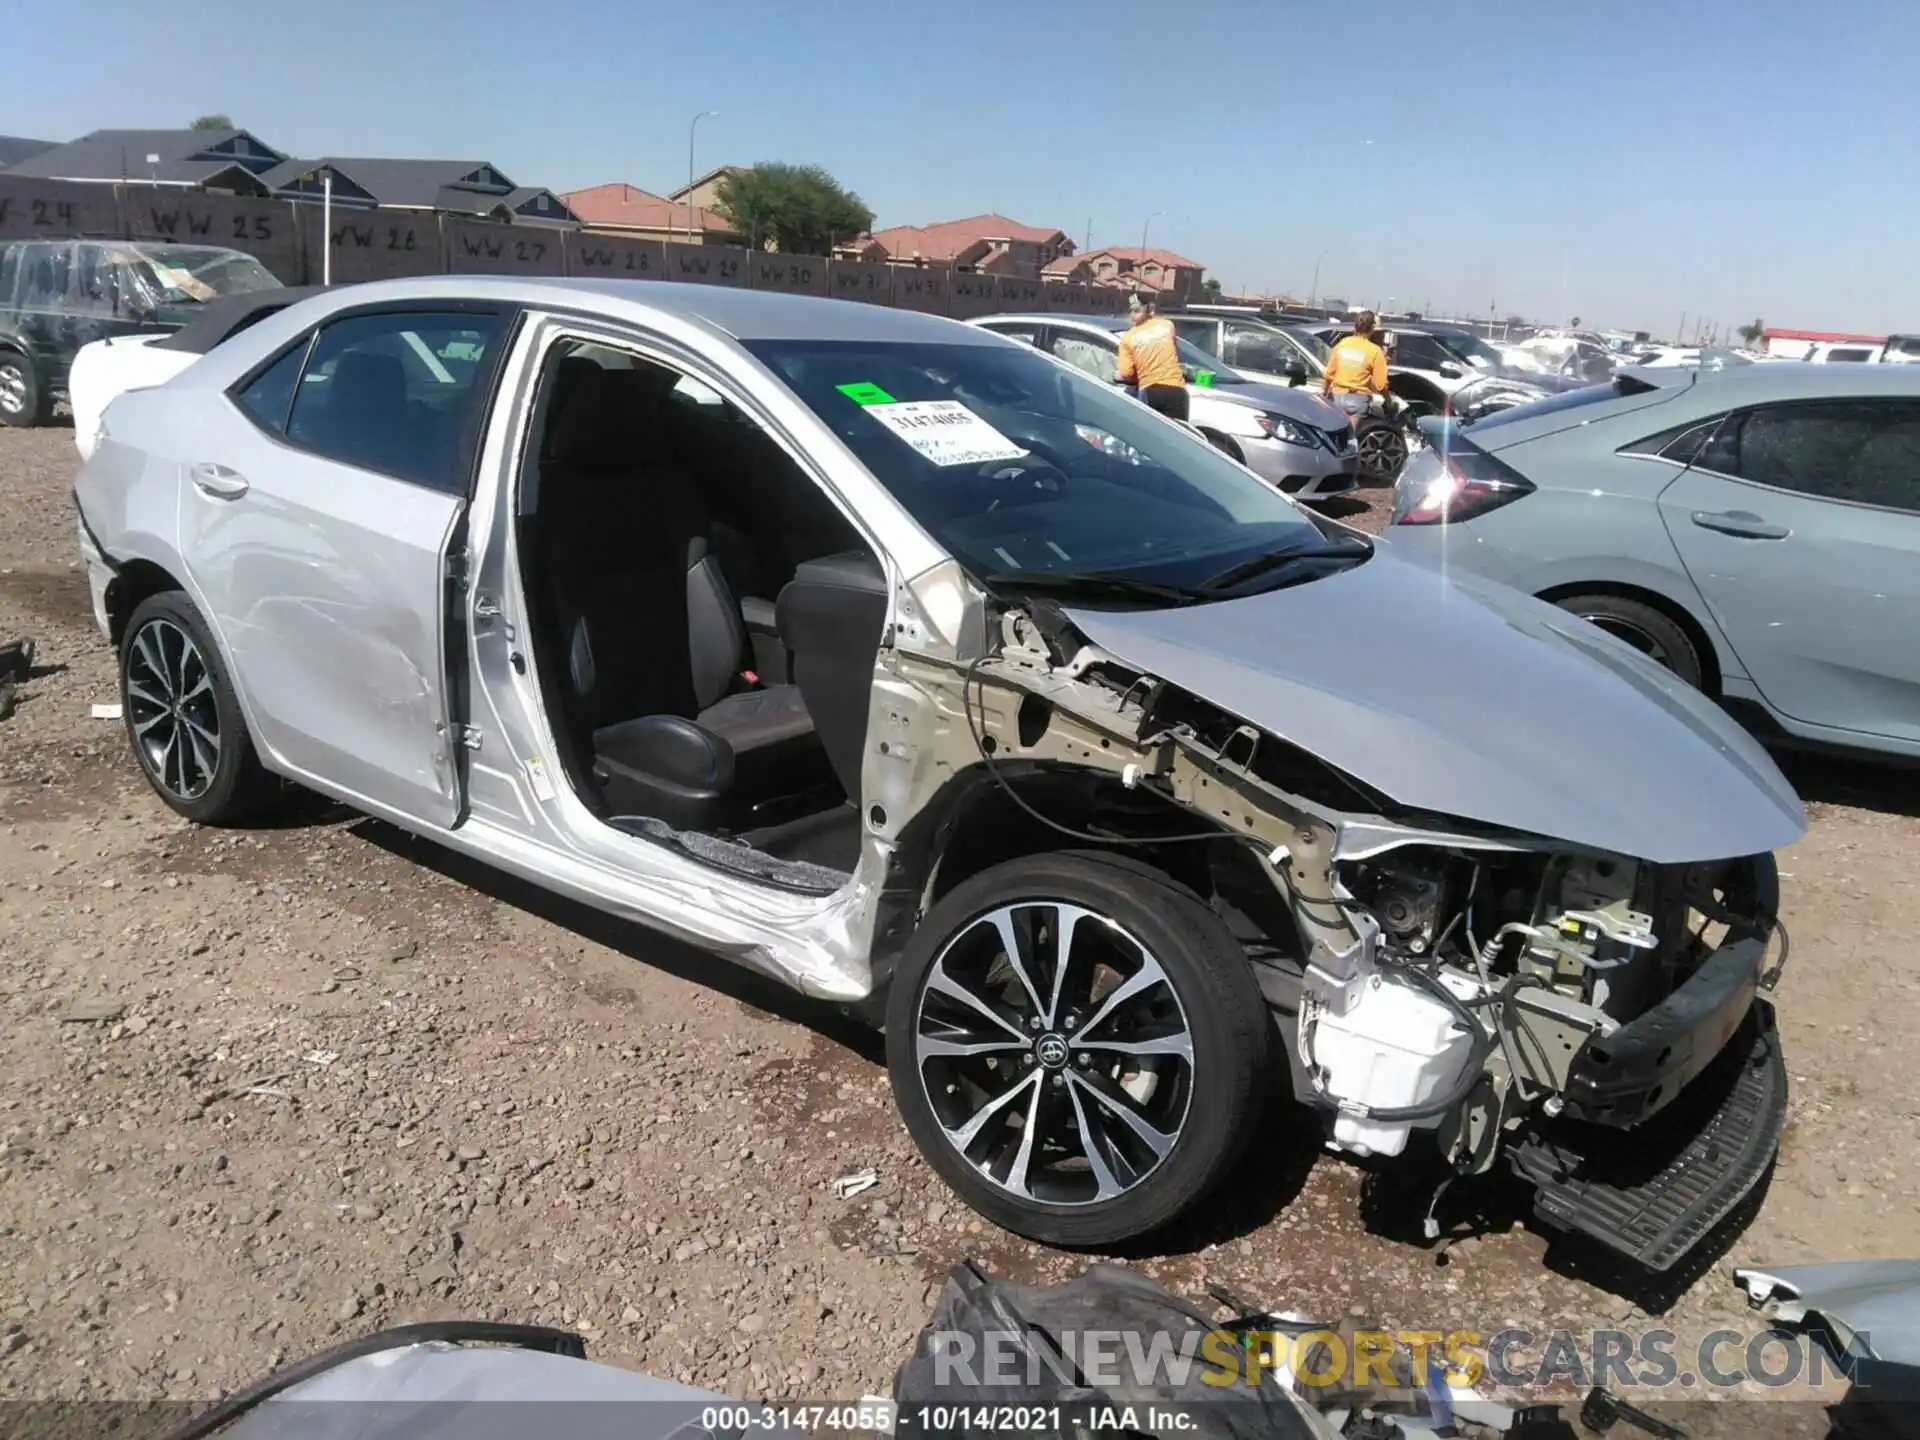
(1203, 333)
(1681, 444)
(398, 393)
(44, 273)
(1865, 452)
(1085, 353)
(1028, 333)
(9, 272)
(269, 395)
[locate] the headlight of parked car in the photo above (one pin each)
(1279, 427)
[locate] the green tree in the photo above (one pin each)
(1576, 323)
(214, 122)
(1210, 288)
(802, 208)
(1515, 321)
(1753, 333)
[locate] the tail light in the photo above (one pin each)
(1469, 482)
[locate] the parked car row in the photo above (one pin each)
(927, 672)
(59, 296)
(1291, 437)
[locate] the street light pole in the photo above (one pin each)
(1145, 225)
(1314, 294)
(692, 130)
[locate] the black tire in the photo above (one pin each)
(1224, 1083)
(1224, 445)
(155, 667)
(24, 399)
(1652, 632)
(1383, 451)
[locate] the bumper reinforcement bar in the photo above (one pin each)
(1655, 1192)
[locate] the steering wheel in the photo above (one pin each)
(1027, 476)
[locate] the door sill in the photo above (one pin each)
(799, 876)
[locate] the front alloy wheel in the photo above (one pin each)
(1077, 1045)
(1054, 1053)
(1383, 450)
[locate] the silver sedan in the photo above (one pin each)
(934, 678)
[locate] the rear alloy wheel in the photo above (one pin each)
(182, 717)
(1383, 450)
(23, 399)
(1078, 1046)
(1654, 634)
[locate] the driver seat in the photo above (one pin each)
(740, 751)
(652, 633)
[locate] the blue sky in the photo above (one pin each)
(1625, 161)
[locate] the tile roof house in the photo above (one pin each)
(231, 160)
(634, 211)
(1173, 275)
(706, 189)
(990, 243)
(16, 148)
(452, 187)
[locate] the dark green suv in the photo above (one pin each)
(57, 295)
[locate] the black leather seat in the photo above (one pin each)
(652, 633)
(742, 748)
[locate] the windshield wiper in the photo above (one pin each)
(1114, 587)
(1344, 548)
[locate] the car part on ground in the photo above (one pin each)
(16, 665)
(477, 1378)
(1256, 1374)
(1865, 1315)
(1051, 739)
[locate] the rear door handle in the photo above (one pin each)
(218, 481)
(1743, 523)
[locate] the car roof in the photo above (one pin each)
(735, 311)
(1787, 379)
(1035, 317)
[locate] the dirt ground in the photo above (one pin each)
(265, 1089)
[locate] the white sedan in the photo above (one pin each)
(107, 369)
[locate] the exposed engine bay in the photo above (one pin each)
(1424, 974)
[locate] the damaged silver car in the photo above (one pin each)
(886, 657)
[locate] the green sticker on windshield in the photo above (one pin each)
(865, 392)
(1203, 377)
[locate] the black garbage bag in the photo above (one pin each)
(1100, 1354)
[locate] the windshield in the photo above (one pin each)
(1471, 347)
(1316, 349)
(200, 272)
(1022, 467)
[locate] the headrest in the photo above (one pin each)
(364, 380)
(577, 427)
